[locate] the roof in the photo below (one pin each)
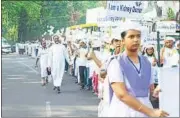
(83, 25)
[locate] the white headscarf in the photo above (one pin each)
(149, 46)
(169, 38)
(176, 44)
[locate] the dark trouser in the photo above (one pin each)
(82, 71)
(36, 52)
(66, 65)
(90, 83)
(21, 51)
(74, 66)
(154, 101)
(87, 77)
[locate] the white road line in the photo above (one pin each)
(48, 109)
(29, 67)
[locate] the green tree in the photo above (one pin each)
(170, 14)
(28, 20)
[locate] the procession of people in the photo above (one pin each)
(117, 68)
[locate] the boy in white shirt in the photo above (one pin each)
(82, 63)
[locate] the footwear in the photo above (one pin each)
(43, 84)
(82, 87)
(55, 88)
(47, 81)
(88, 88)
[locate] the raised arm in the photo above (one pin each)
(95, 59)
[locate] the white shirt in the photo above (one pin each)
(21, 46)
(171, 57)
(82, 58)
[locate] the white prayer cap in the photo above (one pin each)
(169, 38)
(116, 34)
(149, 46)
(129, 25)
(69, 38)
(107, 40)
(96, 44)
(176, 44)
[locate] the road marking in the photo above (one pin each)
(48, 109)
(29, 67)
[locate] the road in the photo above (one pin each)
(23, 95)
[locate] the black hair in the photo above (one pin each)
(153, 54)
(56, 36)
(96, 48)
(123, 34)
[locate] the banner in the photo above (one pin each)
(92, 14)
(127, 9)
(169, 84)
(101, 17)
(152, 38)
(167, 26)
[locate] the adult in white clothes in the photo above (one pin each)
(56, 62)
(43, 57)
(169, 54)
(33, 50)
(29, 49)
(130, 79)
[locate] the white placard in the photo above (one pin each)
(93, 12)
(169, 84)
(167, 26)
(152, 38)
(127, 9)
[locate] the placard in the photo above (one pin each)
(168, 26)
(127, 9)
(169, 84)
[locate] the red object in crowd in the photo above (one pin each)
(95, 82)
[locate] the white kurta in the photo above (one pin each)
(17, 48)
(29, 49)
(77, 69)
(171, 57)
(43, 55)
(57, 55)
(33, 50)
(117, 108)
(154, 69)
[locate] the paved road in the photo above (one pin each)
(23, 96)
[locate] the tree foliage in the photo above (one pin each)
(28, 20)
(171, 14)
